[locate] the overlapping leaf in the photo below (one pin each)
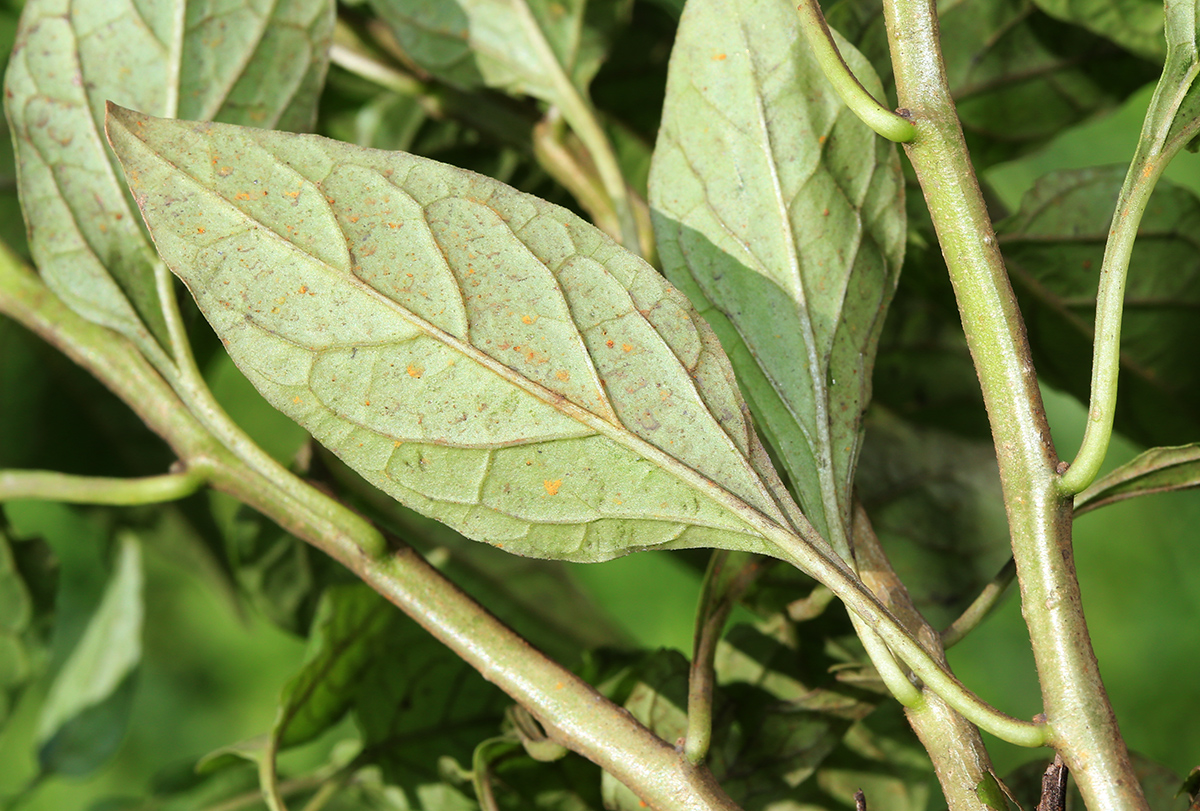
(524, 47)
(781, 215)
(1054, 246)
(484, 357)
(1019, 77)
(1133, 24)
(251, 62)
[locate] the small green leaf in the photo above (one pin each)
(781, 215)
(1133, 24)
(84, 715)
(16, 611)
(1053, 248)
(1158, 470)
(524, 47)
(170, 56)
(486, 358)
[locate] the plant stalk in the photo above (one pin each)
(1080, 720)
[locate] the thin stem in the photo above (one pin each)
(481, 770)
(54, 486)
(982, 606)
(1080, 722)
(894, 677)
(268, 779)
(1151, 159)
(890, 125)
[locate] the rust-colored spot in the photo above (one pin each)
(821, 139)
(609, 343)
(295, 399)
(499, 546)
(303, 288)
(552, 486)
(559, 685)
(528, 461)
(354, 218)
(528, 319)
(366, 402)
(825, 212)
(397, 444)
(200, 229)
(415, 371)
(718, 57)
(292, 194)
(627, 347)
(563, 375)
(1087, 264)
(242, 196)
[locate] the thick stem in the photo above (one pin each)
(1080, 720)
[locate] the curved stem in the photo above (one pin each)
(1080, 722)
(268, 778)
(975, 613)
(894, 677)
(54, 486)
(883, 121)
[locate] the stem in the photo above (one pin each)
(54, 486)
(1147, 166)
(975, 613)
(1080, 722)
(890, 125)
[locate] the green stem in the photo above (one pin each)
(54, 486)
(983, 605)
(1080, 722)
(890, 125)
(1154, 152)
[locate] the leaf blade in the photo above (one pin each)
(807, 274)
(619, 384)
(1158, 470)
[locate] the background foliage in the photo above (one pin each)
(229, 598)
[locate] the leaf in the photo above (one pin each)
(1133, 24)
(71, 57)
(524, 47)
(530, 384)
(781, 215)
(935, 503)
(1158, 470)
(16, 612)
(1053, 248)
(84, 714)
(1018, 76)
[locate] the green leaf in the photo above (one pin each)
(531, 383)
(351, 627)
(169, 56)
(1158, 470)
(1053, 248)
(525, 47)
(1133, 24)
(781, 215)
(935, 503)
(16, 612)
(84, 715)
(1018, 76)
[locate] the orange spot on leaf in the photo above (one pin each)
(627, 347)
(608, 343)
(563, 375)
(719, 57)
(552, 486)
(199, 229)
(528, 319)
(415, 371)
(241, 196)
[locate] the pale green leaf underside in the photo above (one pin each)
(519, 46)
(1133, 24)
(781, 215)
(483, 356)
(254, 62)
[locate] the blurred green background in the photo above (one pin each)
(211, 676)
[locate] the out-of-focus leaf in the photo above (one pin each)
(16, 612)
(524, 47)
(349, 632)
(781, 215)
(934, 500)
(531, 383)
(83, 718)
(1133, 24)
(1054, 247)
(1160, 784)
(247, 62)
(1158, 470)
(1019, 77)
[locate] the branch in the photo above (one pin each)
(53, 486)
(1080, 720)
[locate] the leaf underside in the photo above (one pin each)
(483, 356)
(781, 215)
(170, 57)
